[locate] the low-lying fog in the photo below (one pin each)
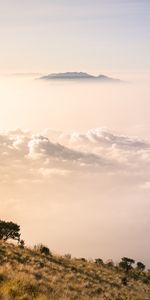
(76, 176)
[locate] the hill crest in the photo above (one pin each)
(29, 274)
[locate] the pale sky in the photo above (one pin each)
(73, 35)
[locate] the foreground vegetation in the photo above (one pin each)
(37, 274)
(27, 274)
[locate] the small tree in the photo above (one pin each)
(45, 250)
(140, 266)
(9, 230)
(126, 263)
(21, 244)
(42, 249)
(99, 261)
(110, 263)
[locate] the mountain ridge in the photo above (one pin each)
(79, 76)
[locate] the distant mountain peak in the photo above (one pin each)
(78, 76)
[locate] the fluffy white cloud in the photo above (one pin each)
(24, 155)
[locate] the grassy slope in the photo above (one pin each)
(26, 274)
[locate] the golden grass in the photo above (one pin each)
(27, 274)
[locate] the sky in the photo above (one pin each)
(75, 156)
(96, 35)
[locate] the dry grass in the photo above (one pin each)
(26, 274)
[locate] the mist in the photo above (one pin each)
(33, 104)
(75, 175)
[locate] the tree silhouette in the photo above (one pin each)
(9, 230)
(140, 266)
(126, 263)
(99, 261)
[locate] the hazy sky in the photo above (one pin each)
(76, 174)
(84, 35)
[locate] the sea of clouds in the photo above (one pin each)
(86, 193)
(25, 156)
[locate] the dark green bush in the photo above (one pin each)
(126, 263)
(99, 261)
(140, 266)
(42, 249)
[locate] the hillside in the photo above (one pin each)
(29, 274)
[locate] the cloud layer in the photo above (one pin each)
(83, 193)
(25, 156)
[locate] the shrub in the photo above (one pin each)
(126, 263)
(68, 256)
(124, 281)
(110, 263)
(140, 266)
(42, 249)
(45, 250)
(99, 261)
(21, 243)
(83, 259)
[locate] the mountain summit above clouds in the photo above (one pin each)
(78, 76)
